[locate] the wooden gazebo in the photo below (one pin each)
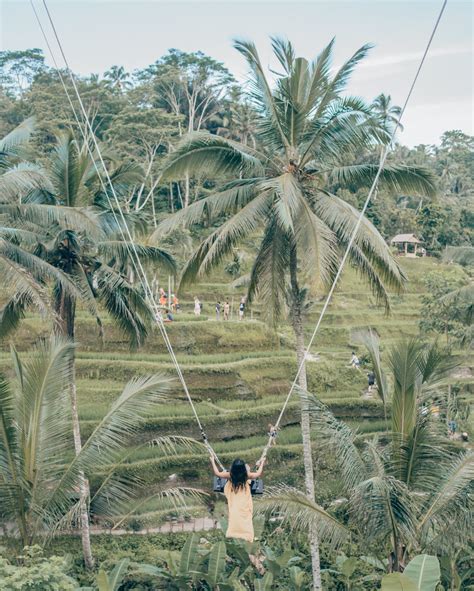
(407, 244)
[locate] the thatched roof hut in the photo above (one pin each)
(407, 244)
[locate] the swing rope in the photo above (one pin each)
(135, 258)
(383, 158)
(121, 224)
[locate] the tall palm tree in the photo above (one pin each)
(285, 192)
(22, 270)
(69, 227)
(38, 481)
(117, 78)
(387, 113)
(408, 494)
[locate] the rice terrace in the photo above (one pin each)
(236, 295)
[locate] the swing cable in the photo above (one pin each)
(373, 187)
(126, 236)
(130, 245)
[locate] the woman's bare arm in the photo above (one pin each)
(258, 473)
(217, 472)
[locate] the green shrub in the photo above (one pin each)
(35, 573)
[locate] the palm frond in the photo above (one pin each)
(397, 178)
(70, 172)
(452, 501)
(463, 296)
(172, 500)
(20, 180)
(73, 218)
(137, 400)
(44, 404)
(11, 144)
(122, 252)
(342, 76)
(435, 364)
(284, 52)
(229, 199)
(209, 155)
(294, 507)
(319, 244)
(339, 439)
(369, 254)
(267, 278)
(422, 456)
(125, 303)
(340, 125)
(118, 492)
(9, 475)
(125, 175)
(383, 508)
(110, 436)
(261, 92)
(403, 361)
(30, 273)
(212, 250)
(342, 218)
(372, 275)
(320, 70)
(13, 312)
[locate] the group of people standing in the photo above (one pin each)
(170, 304)
(220, 308)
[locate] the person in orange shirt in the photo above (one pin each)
(175, 303)
(239, 498)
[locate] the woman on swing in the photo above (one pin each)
(239, 499)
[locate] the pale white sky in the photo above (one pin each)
(100, 33)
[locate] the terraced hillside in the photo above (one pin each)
(239, 374)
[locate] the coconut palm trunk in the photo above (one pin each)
(298, 329)
(66, 311)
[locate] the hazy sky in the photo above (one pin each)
(100, 33)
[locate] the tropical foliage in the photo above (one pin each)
(307, 137)
(408, 491)
(273, 172)
(72, 226)
(40, 495)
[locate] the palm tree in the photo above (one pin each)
(69, 227)
(285, 190)
(117, 78)
(38, 482)
(387, 113)
(239, 120)
(409, 493)
(22, 270)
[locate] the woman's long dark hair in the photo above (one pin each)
(238, 475)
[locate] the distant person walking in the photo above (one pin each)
(218, 311)
(452, 426)
(226, 310)
(355, 363)
(197, 307)
(241, 309)
(371, 380)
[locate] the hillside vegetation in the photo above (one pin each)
(239, 374)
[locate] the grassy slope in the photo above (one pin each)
(239, 373)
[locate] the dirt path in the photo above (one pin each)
(198, 524)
